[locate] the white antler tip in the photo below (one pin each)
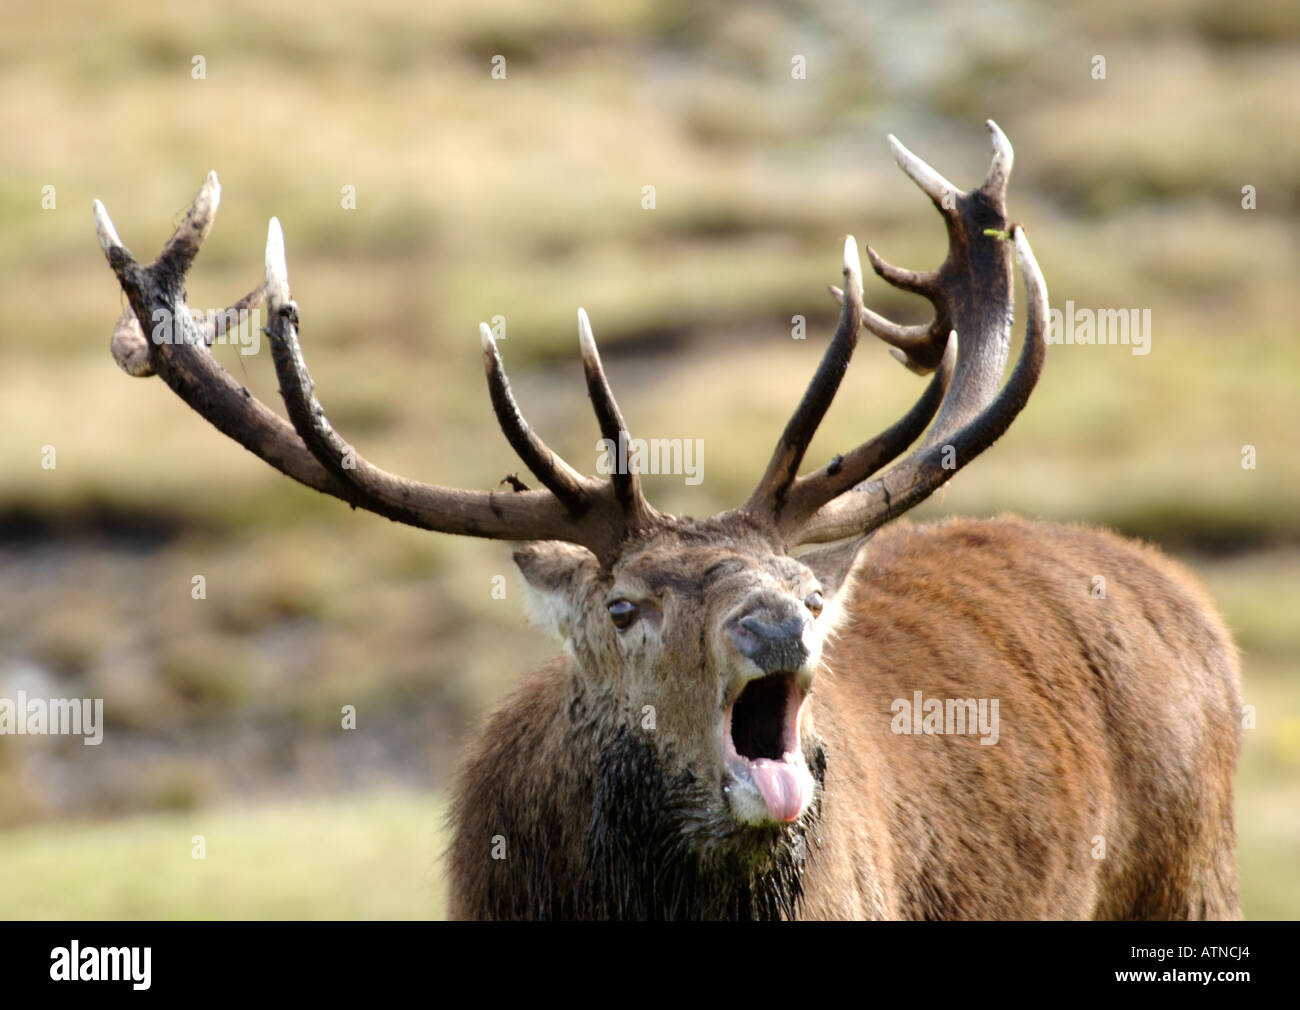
(1003, 154)
(852, 260)
(485, 335)
(586, 339)
(206, 203)
(104, 228)
(902, 153)
(950, 352)
(277, 269)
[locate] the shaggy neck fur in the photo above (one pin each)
(647, 850)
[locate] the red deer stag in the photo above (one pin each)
(910, 721)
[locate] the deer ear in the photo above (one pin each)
(833, 564)
(557, 578)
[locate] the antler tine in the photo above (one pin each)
(184, 245)
(308, 416)
(813, 490)
(995, 180)
(309, 450)
(768, 499)
(277, 268)
(562, 480)
(932, 184)
(296, 386)
(921, 347)
(909, 344)
(162, 281)
(104, 230)
(943, 192)
(613, 429)
(911, 481)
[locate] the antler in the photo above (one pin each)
(972, 295)
(598, 515)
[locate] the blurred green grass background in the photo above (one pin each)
(522, 197)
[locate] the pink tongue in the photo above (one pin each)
(781, 788)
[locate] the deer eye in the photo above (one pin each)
(814, 603)
(622, 613)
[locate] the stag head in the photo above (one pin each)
(696, 641)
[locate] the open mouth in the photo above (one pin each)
(769, 777)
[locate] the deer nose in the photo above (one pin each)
(773, 644)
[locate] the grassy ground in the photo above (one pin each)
(366, 856)
(523, 197)
(375, 856)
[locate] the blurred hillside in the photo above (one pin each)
(523, 197)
